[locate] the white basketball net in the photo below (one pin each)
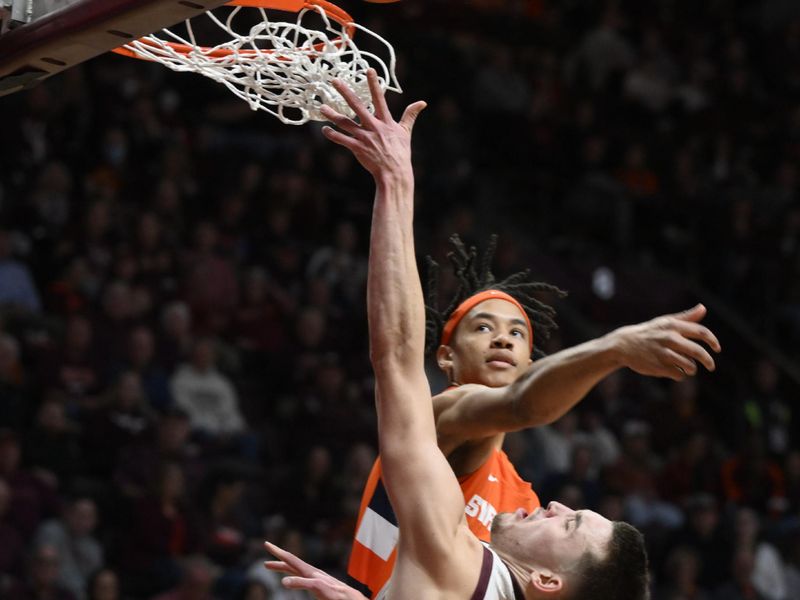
(275, 65)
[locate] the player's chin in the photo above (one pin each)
(495, 378)
(500, 522)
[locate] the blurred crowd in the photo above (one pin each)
(183, 361)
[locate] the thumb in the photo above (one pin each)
(411, 113)
(695, 314)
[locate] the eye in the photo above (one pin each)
(483, 327)
(518, 332)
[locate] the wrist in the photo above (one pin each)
(395, 179)
(615, 348)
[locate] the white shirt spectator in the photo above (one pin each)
(769, 576)
(209, 398)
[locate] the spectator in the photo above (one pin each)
(354, 477)
(126, 420)
(76, 368)
(196, 581)
(138, 465)
(42, 580)
(766, 410)
(604, 50)
(740, 587)
(693, 468)
(267, 584)
(208, 397)
(751, 479)
(80, 554)
(259, 322)
(768, 576)
(602, 444)
(581, 475)
(51, 447)
(311, 340)
(32, 499)
(792, 471)
(210, 285)
(11, 542)
(156, 260)
(556, 443)
(227, 524)
(94, 240)
(18, 290)
(635, 475)
(340, 264)
(141, 359)
(116, 320)
(314, 492)
(680, 583)
(13, 392)
(71, 292)
(702, 532)
(793, 564)
(103, 584)
(162, 531)
(175, 343)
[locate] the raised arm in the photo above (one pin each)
(421, 486)
(667, 346)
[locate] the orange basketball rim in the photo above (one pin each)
(335, 13)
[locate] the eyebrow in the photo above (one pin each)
(578, 521)
(493, 317)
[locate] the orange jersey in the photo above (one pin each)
(494, 487)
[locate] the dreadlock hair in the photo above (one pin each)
(475, 276)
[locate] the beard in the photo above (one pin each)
(500, 523)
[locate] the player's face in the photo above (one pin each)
(554, 538)
(491, 345)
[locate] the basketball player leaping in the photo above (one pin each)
(555, 553)
(484, 342)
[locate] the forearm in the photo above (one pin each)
(395, 310)
(666, 346)
(554, 384)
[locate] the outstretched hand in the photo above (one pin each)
(381, 144)
(303, 576)
(667, 346)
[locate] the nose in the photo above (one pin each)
(502, 340)
(556, 508)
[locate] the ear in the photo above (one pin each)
(444, 358)
(545, 581)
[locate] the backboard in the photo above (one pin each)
(39, 38)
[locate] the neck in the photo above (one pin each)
(519, 572)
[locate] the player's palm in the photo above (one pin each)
(381, 144)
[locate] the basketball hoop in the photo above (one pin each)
(283, 68)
